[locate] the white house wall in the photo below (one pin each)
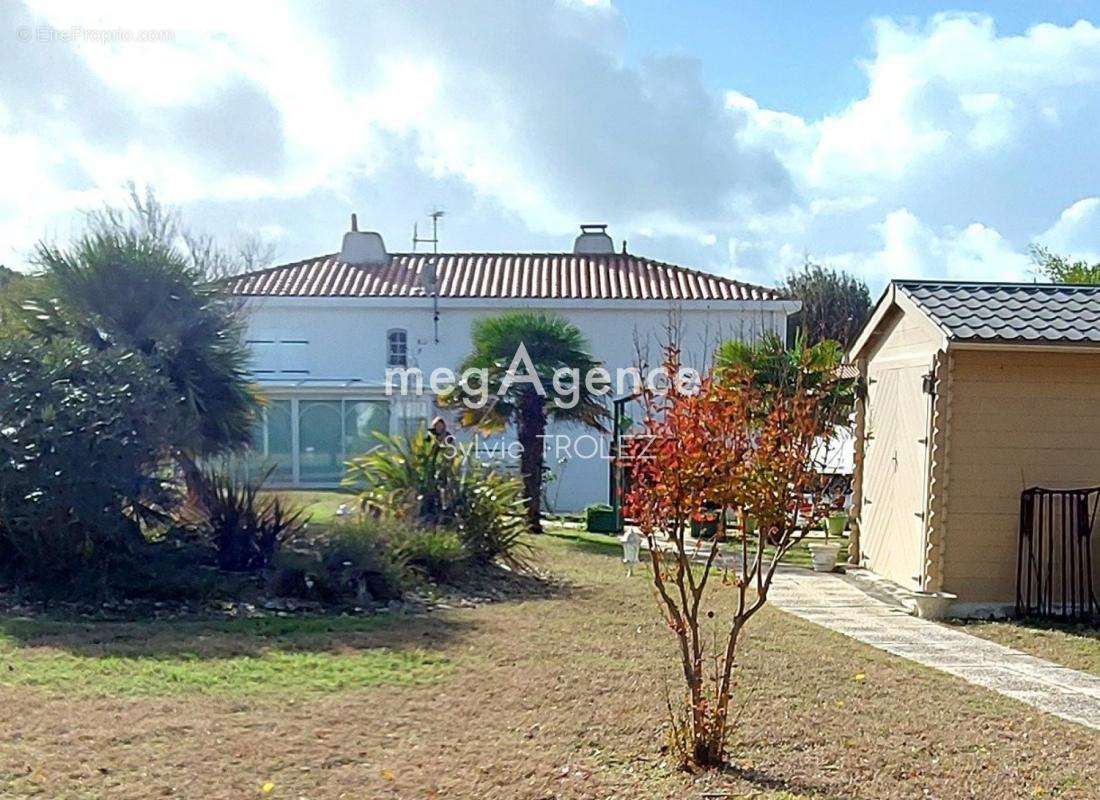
(342, 339)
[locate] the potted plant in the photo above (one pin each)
(600, 518)
(835, 523)
(825, 553)
(704, 524)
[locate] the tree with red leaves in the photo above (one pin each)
(742, 440)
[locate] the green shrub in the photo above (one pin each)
(126, 282)
(437, 553)
(406, 478)
(300, 573)
(419, 481)
(373, 559)
(166, 571)
(244, 524)
(359, 561)
(83, 434)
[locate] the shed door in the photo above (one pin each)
(895, 469)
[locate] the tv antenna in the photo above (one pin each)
(433, 240)
(429, 278)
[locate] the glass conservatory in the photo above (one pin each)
(306, 439)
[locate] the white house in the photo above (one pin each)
(324, 331)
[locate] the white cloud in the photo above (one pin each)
(1077, 231)
(954, 84)
(975, 252)
(533, 114)
(965, 146)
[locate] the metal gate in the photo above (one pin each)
(1054, 564)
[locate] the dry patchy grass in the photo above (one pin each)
(542, 698)
(1070, 644)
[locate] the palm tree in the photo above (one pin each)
(130, 286)
(776, 368)
(550, 344)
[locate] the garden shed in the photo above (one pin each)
(976, 392)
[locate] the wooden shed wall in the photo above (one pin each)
(1019, 418)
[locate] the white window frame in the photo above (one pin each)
(390, 352)
(279, 355)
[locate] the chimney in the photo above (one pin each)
(361, 248)
(593, 241)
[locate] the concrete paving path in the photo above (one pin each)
(838, 603)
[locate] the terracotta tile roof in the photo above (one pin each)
(499, 275)
(1010, 312)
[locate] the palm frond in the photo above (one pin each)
(130, 288)
(553, 344)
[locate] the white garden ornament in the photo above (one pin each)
(632, 544)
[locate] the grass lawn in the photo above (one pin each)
(1071, 645)
(291, 657)
(559, 697)
(320, 505)
(599, 542)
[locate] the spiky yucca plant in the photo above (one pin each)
(419, 480)
(245, 524)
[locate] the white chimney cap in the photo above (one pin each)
(363, 247)
(593, 240)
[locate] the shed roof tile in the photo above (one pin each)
(1002, 312)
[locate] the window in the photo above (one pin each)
(279, 355)
(307, 441)
(320, 431)
(272, 442)
(397, 348)
(412, 415)
(332, 430)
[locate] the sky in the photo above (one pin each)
(904, 139)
